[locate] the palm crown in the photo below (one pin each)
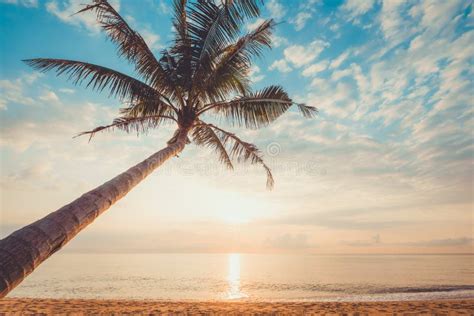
(205, 71)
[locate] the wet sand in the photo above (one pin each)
(21, 306)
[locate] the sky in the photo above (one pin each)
(386, 166)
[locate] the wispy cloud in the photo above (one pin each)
(315, 68)
(300, 55)
(280, 65)
(448, 242)
(276, 9)
(300, 20)
(14, 91)
(355, 8)
(24, 3)
(253, 25)
(255, 74)
(66, 10)
(289, 242)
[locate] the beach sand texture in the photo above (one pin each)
(20, 306)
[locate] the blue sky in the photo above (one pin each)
(385, 167)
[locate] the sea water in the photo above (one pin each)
(254, 277)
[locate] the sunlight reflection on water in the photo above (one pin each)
(233, 277)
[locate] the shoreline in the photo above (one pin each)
(114, 306)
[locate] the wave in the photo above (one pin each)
(356, 289)
(428, 289)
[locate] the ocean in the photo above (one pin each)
(253, 277)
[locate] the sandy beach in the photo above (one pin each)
(21, 306)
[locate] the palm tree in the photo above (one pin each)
(205, 71)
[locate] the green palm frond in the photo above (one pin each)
(180, 21)
(243, 8)
(239, 150)
(148, 108)
(228, 72)
(182, 47)
(210, 28)
(258, 109)
(251, 44)
(307, 110)
(213, 26)
(99, 78)
(130, 43)
(205, 136)
(130, 124)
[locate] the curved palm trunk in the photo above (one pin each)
(23, 250)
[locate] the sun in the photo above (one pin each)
(236, 218)
(240, 209)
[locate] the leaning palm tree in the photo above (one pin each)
(204, 72)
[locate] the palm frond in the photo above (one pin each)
(177, 77)
(228, 72)
(210, 29)
(258, 109)
(307, 110)
(213, 26)
(218, 90)
(240, 150)
(180, 19)
(182, 48)
(130, 43)
(243, 8)
(205, 136)
(143, 108)
(130, 124)
(99, 78)
(251, 44)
